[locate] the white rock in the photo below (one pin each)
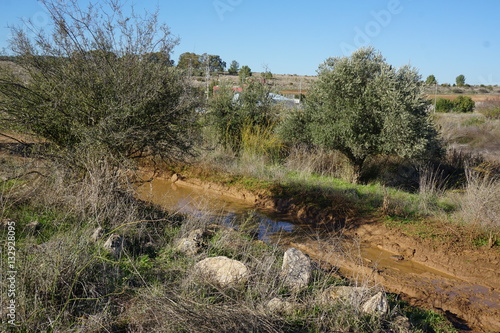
(296, 269)
(223, 271)
(376, 305)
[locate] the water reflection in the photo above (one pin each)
(204, 204)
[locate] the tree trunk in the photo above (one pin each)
(357, 166)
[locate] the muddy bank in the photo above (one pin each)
(462, 283)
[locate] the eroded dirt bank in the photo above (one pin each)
(462, 283)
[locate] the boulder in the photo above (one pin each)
(296, 269)
(114, 244)
(222, 271)
(376, 305)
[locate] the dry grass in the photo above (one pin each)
(471, 133)
(308, 161)
(480, 202)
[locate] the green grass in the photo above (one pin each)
(422, 320)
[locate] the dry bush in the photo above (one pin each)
(306, 160)
(479, 204)
(474, 134)
(490, 108)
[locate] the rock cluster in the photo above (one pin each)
(296, 273)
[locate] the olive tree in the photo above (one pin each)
(91, 81)
(362, 106)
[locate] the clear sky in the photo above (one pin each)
(441, 37)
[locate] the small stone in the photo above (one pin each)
(401, 324)
(33, 226)
(343, 293)
(187, 246)
(277, 305)
(175, 177)
(376, 305)
(191, 244)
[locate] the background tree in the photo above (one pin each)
(88, 84)
(190, 62)
(431, 80)
(244, 73)
(234, 68)
(460, 80)
(215, 63)
(159, 57)
(362, 106)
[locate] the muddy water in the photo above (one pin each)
(202, 203)
(478, 307)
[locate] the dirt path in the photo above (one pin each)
(463, 285)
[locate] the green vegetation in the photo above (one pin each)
(444, 105)
(431, 80)
(463, 104)
(234, 68)
(244, 73)
(91, 91)
(460, 80)
(67, 281)
(197, 64)
(362, 107)
(459, 104)
(242, 118)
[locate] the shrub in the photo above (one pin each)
(95, 89)
(231, 113)
(463, 104)
(490, 109)
(444, 105)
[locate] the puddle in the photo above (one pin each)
(202, 203)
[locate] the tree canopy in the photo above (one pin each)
(244, 73)
(431, 80)
(460, 80)
(198, 63)
(362, 106)
(88, 84)
(234, 68)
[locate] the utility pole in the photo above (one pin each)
(207, 77)
(435, 97)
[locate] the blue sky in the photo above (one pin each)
(441, 37)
